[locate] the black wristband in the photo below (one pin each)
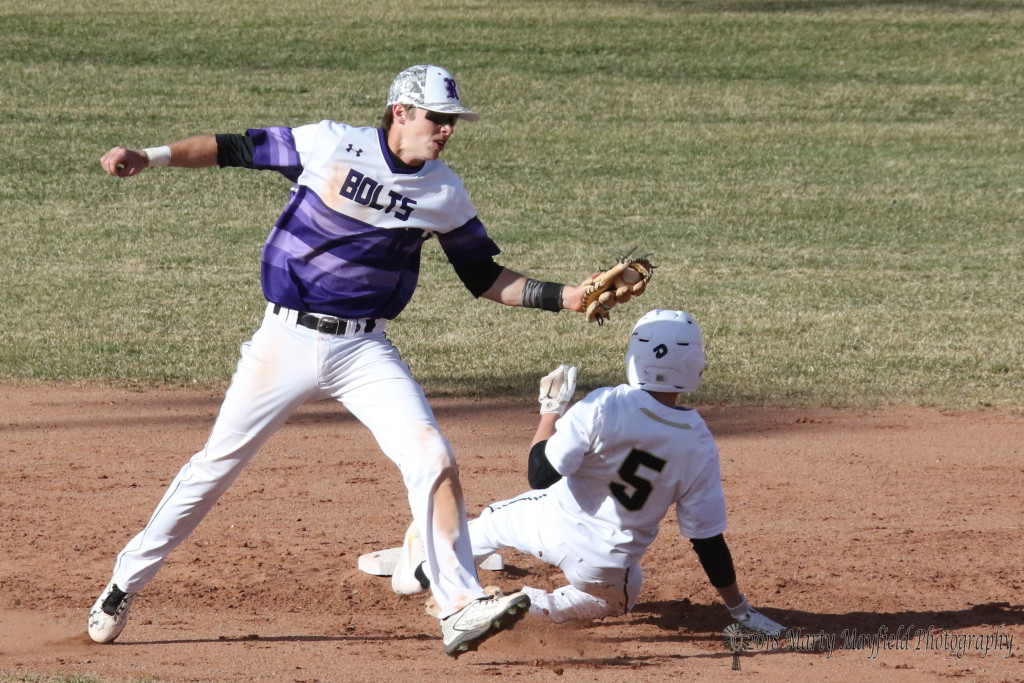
(546, 295)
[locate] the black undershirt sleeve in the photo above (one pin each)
(478, 276)
(540, 473)
(716, 559)
(234, 150)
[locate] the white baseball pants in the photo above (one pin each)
(594, 590)
(281, 368)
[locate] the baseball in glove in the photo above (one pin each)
(616, 285)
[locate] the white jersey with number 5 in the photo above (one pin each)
(625, 459)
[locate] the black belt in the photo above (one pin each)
(328, 324)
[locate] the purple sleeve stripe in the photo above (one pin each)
(468, 243)
(274, 150)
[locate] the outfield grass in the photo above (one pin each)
(833, 189)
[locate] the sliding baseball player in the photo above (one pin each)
(604, 474)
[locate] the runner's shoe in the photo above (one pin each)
(481, 619)
(433, 609)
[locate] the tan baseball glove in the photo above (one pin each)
(617, 285)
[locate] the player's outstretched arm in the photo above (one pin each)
(199, 151)
(556, 391)
(545, 429)
(510, 287)
(716, 560)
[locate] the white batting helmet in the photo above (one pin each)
(666, 352)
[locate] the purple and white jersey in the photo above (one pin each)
(348, 242)
(625, 459)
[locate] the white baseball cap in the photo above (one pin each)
(429, 87)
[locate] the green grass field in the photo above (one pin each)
(833, 189)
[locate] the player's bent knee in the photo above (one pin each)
(429, 458)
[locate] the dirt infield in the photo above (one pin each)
(896, 534)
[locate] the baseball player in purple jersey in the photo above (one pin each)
(342, 260)
(605, 475)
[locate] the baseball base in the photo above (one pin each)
(383, 562)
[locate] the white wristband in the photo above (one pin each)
(158, 156)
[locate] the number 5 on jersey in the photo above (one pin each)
(641, 487)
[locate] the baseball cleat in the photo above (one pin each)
(755, 621)
(481, 619)
(433, 609)
(750, 618)
(109, 614)
(409, 578)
